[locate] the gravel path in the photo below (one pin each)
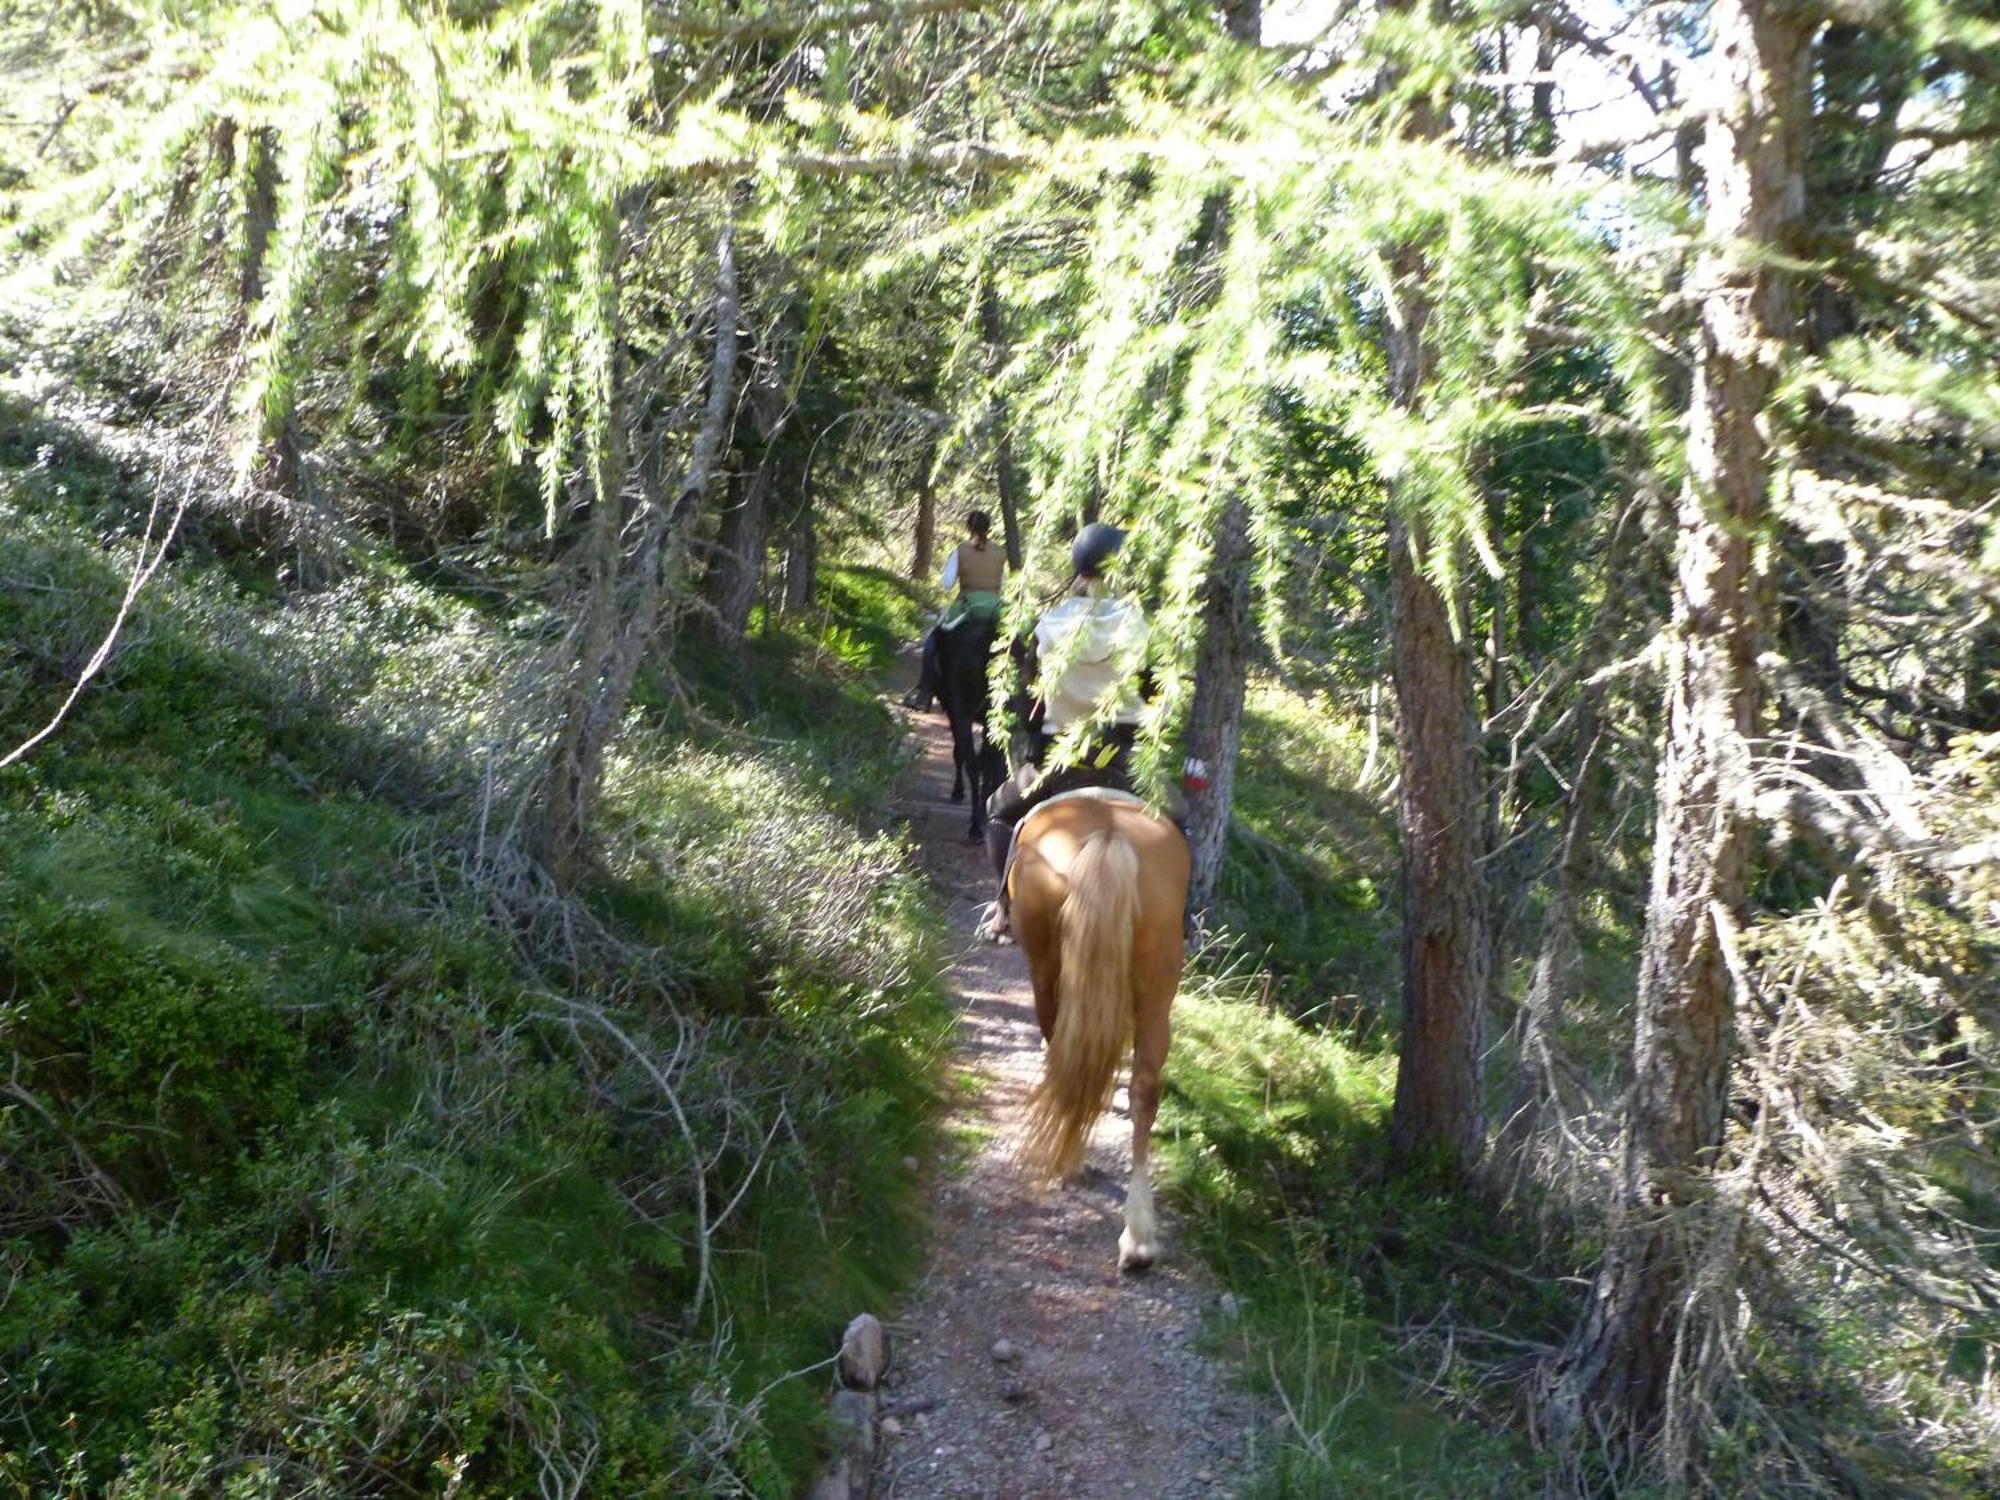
(1027, 1367)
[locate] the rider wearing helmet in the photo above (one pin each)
(977, 569)
(1091, 647)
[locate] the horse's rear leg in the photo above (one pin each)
(961, 755)
(1154, 985)
(1038, 896)
(982, 786)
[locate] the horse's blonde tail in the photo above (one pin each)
(1093, 1005)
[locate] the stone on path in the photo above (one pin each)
(864, 1353)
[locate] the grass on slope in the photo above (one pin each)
(1308, 889)
(1274, 1140)
(320, 1181)
(1274, 1126)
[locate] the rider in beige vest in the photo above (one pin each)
(977, 569)
(982, 567)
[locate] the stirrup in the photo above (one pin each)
(994, 926)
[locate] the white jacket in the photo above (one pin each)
(1097, 646)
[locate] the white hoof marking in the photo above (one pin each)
(1138, 1246)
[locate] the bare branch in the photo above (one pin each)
(1664, 124)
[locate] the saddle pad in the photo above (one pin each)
(1092, 793)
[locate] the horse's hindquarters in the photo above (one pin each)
(1099, 891)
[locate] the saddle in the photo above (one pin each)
(1093, 793)
(977, 606)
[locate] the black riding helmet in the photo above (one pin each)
(1095, 546)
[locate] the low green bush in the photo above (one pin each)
(159, 1059)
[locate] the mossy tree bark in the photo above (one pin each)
(1634, 1347)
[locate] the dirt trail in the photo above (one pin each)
(1106, 1394)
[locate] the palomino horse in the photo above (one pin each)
(1098, 887)
(964, 653)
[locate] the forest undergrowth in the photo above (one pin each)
(1397, 1315)
(326, 1176)
(1340, 1272)
(465, 1011)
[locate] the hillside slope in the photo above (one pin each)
(337, 1164)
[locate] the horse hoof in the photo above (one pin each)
(1133, 1257)
(958, 794)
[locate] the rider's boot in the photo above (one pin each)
(920, 696)
(995, 927)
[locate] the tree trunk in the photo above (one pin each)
(1502, 878)
(1006, 478)
(1625, 1360)
(560, 837)
(1222, 665)
(284, 452)
(1536, 1088)
(923, 554)
(1530, 570)
(801, 559)
(1215, 719)
(623, 601)
(1864, 78)
(260, 215)
(1982, 678)
(739, 561)
(1440, 1106)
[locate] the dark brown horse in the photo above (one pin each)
(1099, 886)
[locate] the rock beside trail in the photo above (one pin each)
(864, 1353)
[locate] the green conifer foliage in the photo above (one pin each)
(1160, 380)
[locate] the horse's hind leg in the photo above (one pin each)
(961, 756)
(1154, 985)
(982, 784)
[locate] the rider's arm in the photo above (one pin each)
(948, 580)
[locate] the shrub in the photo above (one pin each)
(156, 1061)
